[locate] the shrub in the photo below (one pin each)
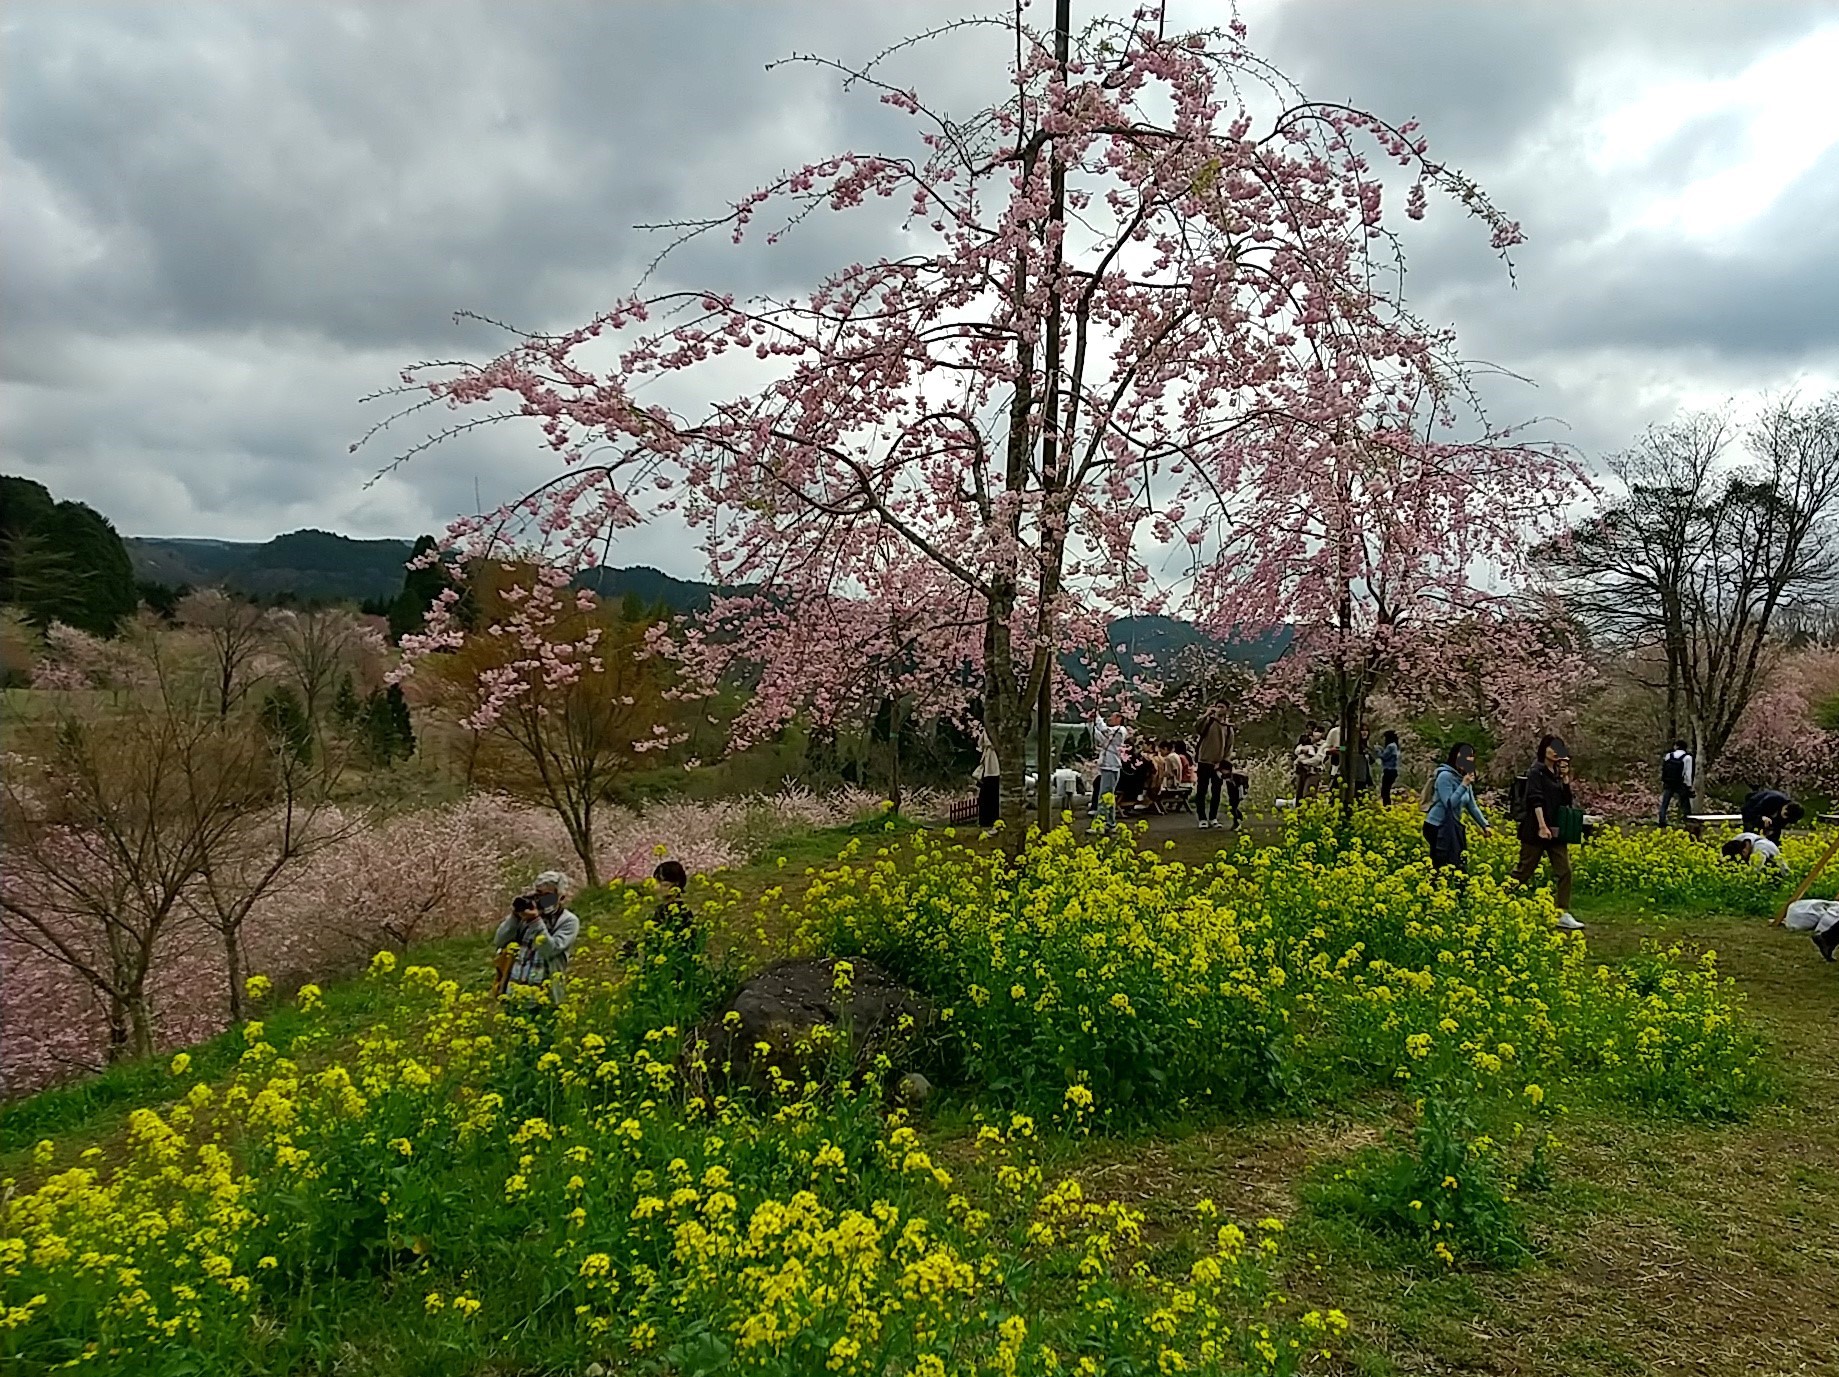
(1337, 962)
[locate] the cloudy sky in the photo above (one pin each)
(222, 224)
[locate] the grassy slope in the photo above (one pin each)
(1663, 1248)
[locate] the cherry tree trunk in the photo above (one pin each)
(233, 969)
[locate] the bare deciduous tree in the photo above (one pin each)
(269, 845)
(1707, 559)
(110, 825)
(318, 647)
(236, 633)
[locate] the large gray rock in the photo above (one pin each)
(795, 1016)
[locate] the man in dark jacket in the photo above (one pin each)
(1767, 811)
(1547, 791)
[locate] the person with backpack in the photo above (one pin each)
(1676, 781)
(1389, 755)
(1451, 793)
(1547, 796)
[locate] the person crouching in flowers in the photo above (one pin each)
(1752, 848)
(672, 926)
(1452, 797)
(538, 934)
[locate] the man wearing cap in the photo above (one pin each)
(543, 937)
(1547, 791)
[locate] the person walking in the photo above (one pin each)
(1548, 791)
(989, 781)
(1237, 781)
(1212, 751)
(1676, 782)
(1109, 736)
(1389, 757)
(1452, 799)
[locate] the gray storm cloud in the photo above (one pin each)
(223, 224)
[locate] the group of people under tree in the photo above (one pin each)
(1168, 772)
(1154, 775)
(1319, 761)
(534, 941)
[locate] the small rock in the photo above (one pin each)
(913, 1090)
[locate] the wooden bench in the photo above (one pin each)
(1697, 822)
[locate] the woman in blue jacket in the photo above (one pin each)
(1452, 799)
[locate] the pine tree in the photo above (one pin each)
(286, 722)
(402, 728)
(379, 730)
(347, 710)
(408, 614)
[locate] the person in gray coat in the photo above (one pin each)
(543, 934)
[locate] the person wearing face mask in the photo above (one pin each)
(1452, 797)
(1548, 794)
(543, 930)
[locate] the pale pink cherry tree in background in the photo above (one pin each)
(1391, 546)
(566, 695)
(1125, 289)
(904, 641)
(1788, 735)
(1518, 669)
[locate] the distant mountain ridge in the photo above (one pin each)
(313, 566)
(320, 566)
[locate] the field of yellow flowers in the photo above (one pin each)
(465, 1188)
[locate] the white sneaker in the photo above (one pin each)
(1569, 924)
(1203, 824)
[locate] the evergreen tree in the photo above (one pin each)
(61, 561)
(408, 614)
(286, 722)
(379, 731)
(401, 727)
(347, 710)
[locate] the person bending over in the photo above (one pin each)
(1768, 811)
